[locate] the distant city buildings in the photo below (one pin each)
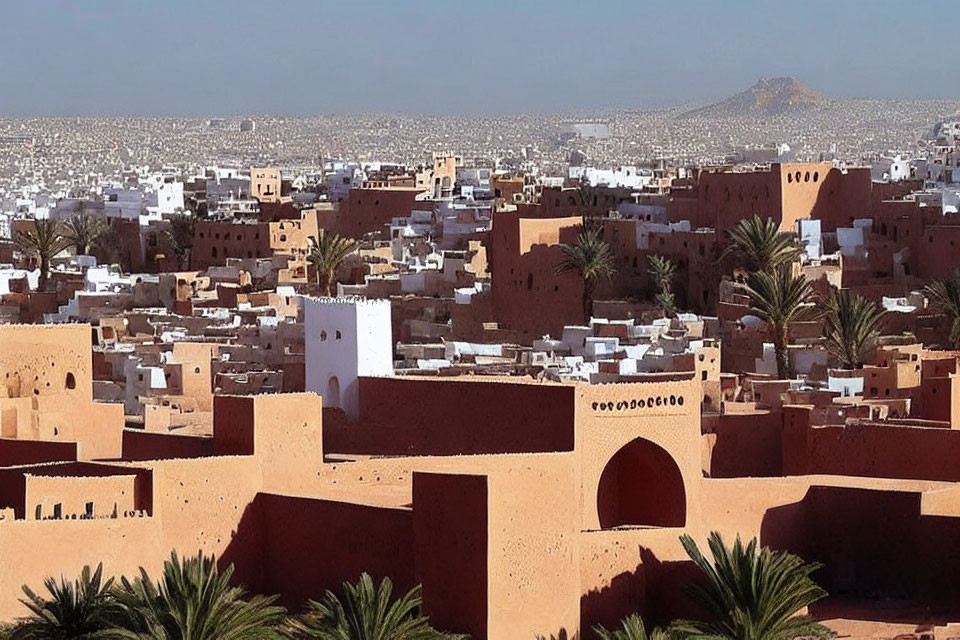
(510, 358)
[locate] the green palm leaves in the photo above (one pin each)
(944, 296)
(180, 236)
(632, 628)
(364, 611)
(852, 327)
(44, 241)
(83, 233)
(592, 259)
(662, 271)
(759, 245)
(780, 298)
(83, 609)
(326, 255)
(748, 593)
(195, 601)
(752, 593)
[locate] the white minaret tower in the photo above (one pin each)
(345, 338)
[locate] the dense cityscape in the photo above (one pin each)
(630, 373)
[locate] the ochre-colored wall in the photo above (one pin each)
(610, 417)
(747, 445)
(527, 294)
(879, 451)
(38, 360)
(367, 210)
(214, 242)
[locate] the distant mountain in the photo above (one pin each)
(768, 97)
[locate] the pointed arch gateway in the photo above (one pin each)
(641, 485)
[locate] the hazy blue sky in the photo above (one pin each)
(446, 56)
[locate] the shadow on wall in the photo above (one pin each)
(747, 445)
(299, 547)
(664, 581)
(607, 606)
(873, 544)
(654, 590)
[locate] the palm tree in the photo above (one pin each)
(590, 256)
(194, 601)
(780, 299)
(663, 270)
(180, 236)
(587, 195)
(43, 242)
(944, 296)
(760, 246)
(853, 325)
(106, 248)
(82, 609)
(632, 629)
(366, 612)
(327, 255)
(751, 593)
(83, 233)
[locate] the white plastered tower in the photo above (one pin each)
(345, 338)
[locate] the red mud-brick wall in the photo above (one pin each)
(872, 451)
(875, 543)
(17, 452)
(450, 521)
(233, 425)
(418, 416)
(357, 538)
(747, 445)
(145, 445)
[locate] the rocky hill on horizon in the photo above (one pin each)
(768, 97)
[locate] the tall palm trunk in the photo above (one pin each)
(325, 281)
(44, 273)
(588, 288)
(780, 341)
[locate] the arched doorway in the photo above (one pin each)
(332, 397)
(641, 486)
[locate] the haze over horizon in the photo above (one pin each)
(179, 58)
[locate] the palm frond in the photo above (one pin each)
(779, 299)
(44, 241)
(590, 256)
(663, 270)
(759, 245)
(853, 325)
(632, 628)
(83, 609)
(195, 601)
(944, 296)
(364, 611)
(82, 232)
(751, 593)
(180, 235)
(327, 254)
